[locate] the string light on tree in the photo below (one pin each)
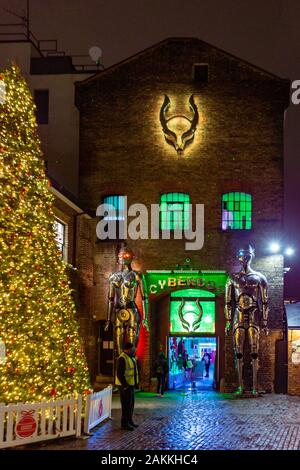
(44, 357)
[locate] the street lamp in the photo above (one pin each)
(274, 247)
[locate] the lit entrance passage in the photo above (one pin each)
(192, 362)
(192, 346)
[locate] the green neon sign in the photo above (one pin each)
(188, 315)
(162, 282)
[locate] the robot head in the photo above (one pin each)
(126, 256)
(245, 255)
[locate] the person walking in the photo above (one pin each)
(126, 380)
(184, 364)
(206, 359)
(161, 370)
(189, 368)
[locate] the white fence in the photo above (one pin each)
(98, 408)
(32, 422)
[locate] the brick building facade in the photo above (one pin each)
(237, 149)
(73, 230)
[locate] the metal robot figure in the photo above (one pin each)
(123, 286)
(246, 300)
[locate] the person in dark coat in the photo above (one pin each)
(206, 359)
(161, 371)
(127, 380)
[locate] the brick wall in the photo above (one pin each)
(79, 248)
(266, 371)
(85, 267)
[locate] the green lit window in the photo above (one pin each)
(118, 203)
(236, 211)
(116, 214)
(174, 211)
(185, 315)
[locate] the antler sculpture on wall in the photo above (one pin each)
(179, 142)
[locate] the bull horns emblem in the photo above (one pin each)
(184, 322)
(178, 142)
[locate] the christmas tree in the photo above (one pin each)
(41, 356)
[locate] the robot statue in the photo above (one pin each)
(246, 300)
(123, 286)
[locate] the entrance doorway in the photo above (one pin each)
(192, 362)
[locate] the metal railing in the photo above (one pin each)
(19, 32)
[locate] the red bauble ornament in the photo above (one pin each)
(53, 392)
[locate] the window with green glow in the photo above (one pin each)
(174, 211)
(116, 214)
(189, 323)
(118, 203)
(236, 211)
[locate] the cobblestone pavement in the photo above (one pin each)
(203, 420)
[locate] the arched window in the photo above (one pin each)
(236, 211)
(174, 211)
(117, 203)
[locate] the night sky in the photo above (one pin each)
(266, 33)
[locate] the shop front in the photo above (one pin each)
(186, 310)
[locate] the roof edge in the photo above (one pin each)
(135, 56)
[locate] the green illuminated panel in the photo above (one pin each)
(236, 211)
(118, 202)
(158, 282)
(190, 313)
(174, 211)
(192, 293)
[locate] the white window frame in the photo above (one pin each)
(64, 254)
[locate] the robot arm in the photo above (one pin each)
(229, 291)
(144, 301)
(265, 303)
(110, 303)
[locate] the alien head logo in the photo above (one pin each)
(178, 129)
(197, 317)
